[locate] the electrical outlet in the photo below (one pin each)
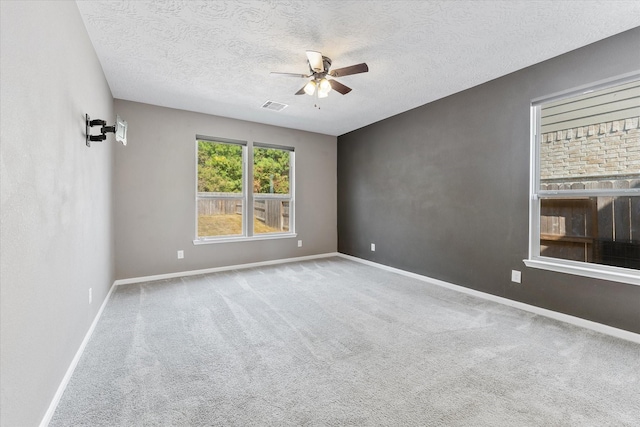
(180, 254)
(516, 276)
(373, 247)
(299, 243)
(90, 296)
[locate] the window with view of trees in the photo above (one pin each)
(271, 188)
(586, 179)
(223, 195)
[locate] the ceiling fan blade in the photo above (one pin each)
(346, 71)
(315, 60)
(339, 87)
(274, 73)
(301, 91)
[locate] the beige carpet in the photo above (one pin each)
(334, 342)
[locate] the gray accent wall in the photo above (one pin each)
(56, 201)
(154, 192)
(442, 190)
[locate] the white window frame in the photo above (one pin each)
(535, 260)
(247, 195)
(289, 197)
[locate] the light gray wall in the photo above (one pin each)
(56, 203)
(154, 192)
(443, 189)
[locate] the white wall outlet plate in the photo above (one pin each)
(180, 254)
(373, 247)
(516, 276)
(299, 243)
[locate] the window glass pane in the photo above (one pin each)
(271, 171)
(600, 230)
(588, 139)
(219, 217)
(271, 188)
(270, 215)
(219, 167)
(220, 196)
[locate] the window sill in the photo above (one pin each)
(595, 271)
(215, 240)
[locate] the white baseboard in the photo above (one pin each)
(217, 269)
(72, 367)
(577, 321)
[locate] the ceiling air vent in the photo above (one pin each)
(274, 106)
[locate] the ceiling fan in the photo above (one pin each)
(319, 67)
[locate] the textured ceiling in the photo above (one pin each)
(215, 56)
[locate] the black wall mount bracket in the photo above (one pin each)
(119, 129)
(89, 124)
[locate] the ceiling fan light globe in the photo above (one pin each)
(322, 94)
(310, 88)
(325, 86)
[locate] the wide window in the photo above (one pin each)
(224, 195)
(585, 201)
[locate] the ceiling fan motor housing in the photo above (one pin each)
(326, 62)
